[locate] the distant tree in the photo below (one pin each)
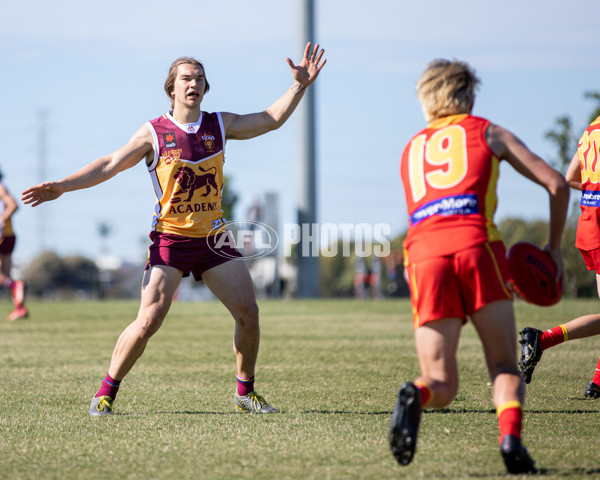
(565, 138)
(43, 273)
(516, 230)
(337, 274)
(49, 275)
(566, 142)
(81, 273)
(596, 97)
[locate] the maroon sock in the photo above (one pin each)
(244, 386)
(109, 387)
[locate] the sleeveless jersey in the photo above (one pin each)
(187, 175)
(6, 228)
(449, 175)
(588, 226)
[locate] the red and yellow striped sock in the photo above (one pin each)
(554, 336)
(510, 419)
(426, 393)
(596, 378)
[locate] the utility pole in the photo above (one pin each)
(42, 173)
(308, 248)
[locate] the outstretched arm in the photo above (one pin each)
(240, 127)
(527, 163)
(98, 171)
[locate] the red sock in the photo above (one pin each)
(244, 386)
(510, 419)
(554, 336)
(109, 387)
(426, 393)
(596, 378)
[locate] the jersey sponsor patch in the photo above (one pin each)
(170, 140)
(590, 198)
(465, 204)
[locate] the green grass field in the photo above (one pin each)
(331, 367)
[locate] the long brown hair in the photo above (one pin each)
(170, 81)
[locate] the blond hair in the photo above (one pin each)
(170, 81)
(447, 88)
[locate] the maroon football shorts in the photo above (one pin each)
(195, 255)
(7, 245)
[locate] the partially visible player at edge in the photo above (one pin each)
(449, 171)
(8, 206)
(583, 174)
(184, 153)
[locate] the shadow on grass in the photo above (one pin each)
(559, 472)
(279, 412)
(493, 411)
(180, 412)
(441, 411)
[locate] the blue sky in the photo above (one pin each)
(98, 70)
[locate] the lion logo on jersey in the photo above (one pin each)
(190, 182)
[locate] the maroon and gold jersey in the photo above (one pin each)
(449, 174)
(6, 228)
(187, 174)
(588, 150)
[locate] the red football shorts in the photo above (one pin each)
(591, 259)
(7, 245)
(195, 255)
(458, 285)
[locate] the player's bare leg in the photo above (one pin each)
(232, 285)
(17, 289)
(158, 287)
(436, 344)
(495, 324)
(437, 385)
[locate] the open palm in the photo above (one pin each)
(308, 69)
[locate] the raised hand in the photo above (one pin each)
(308, 69)
(41, 193)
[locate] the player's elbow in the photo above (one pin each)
(558, 187)
(273, 120)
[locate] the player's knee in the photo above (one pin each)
(247, 316)
(149, 321)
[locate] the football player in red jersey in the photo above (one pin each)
(184, 152)
(583, 174)
(449, 171)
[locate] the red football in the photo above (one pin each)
(533, 274)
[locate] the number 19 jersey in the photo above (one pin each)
(588, 226)
(449, 174)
